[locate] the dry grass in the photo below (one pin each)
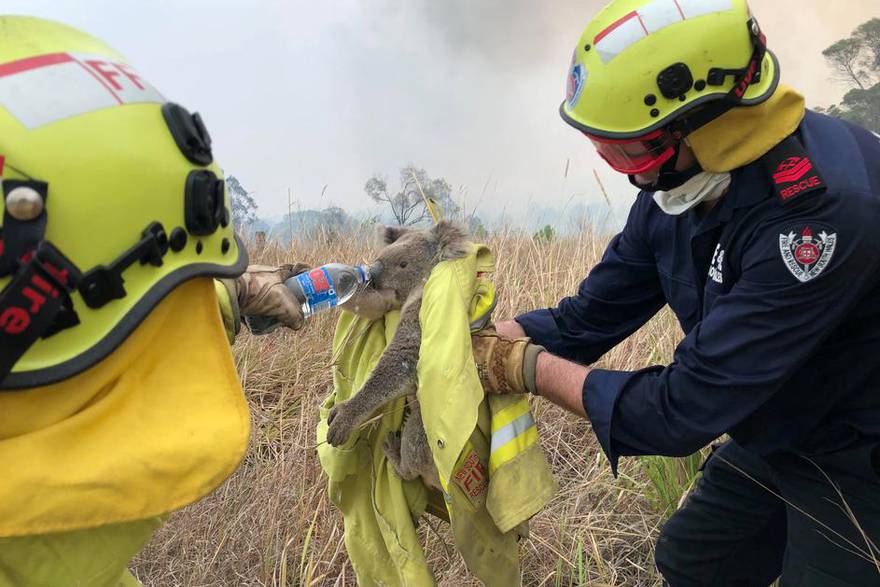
(271, 523)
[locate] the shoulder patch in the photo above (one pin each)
(805, 254)
(792, 171)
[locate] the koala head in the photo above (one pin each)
(409, 255)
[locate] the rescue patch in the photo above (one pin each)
(471, 476)
(792, 170)
(806, 255)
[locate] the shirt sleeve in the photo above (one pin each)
(620, 294)
(785, 304)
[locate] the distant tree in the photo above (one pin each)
(856, 61)
(334, 221)
(369, 222)
(869, 34)
(476, 228)
(546, 234)
(846, 56)
(859, 106)
(407, 204)
(244, 207)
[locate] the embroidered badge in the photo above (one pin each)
(805, 255)
(471, 476)
(792, 171)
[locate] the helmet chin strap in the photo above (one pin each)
(669, 178)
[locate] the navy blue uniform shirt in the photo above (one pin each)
(780, 305)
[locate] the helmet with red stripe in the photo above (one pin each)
(646, 73)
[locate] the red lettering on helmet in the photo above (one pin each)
(132, 76)
(747, 79)
(14, 320)
(108, 74)
(60, 275)
(37, 299)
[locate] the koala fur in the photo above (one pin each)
(407, 260)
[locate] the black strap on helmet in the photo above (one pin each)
(36, 303)
(743, 78)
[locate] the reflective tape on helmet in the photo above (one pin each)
(639, 24)
(513, 431)
(47, 88)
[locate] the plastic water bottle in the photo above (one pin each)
(317, 290)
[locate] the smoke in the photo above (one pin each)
(509, 35)
(318, 96)
(470, 90)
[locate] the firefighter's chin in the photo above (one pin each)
(647, 178)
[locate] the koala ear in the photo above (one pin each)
(388, 234)
(452, 240)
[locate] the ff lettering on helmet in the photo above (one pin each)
(46, 88)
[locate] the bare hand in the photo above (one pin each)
(510, 328)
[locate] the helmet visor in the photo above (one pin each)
(636, 155)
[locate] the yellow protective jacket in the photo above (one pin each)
(91, 462)
(486, 450)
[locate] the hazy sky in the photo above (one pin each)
(306, 94)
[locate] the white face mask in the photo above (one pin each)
(703, 187)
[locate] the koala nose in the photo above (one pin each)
(376, 271)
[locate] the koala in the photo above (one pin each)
(406, 262)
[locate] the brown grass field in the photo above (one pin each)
(272, 524)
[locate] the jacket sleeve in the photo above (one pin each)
(620, 294)
(228, 302)
(752, 341)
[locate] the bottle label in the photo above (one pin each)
(317, 287)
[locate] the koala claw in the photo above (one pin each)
(340, 426)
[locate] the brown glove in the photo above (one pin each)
(504, 364)
(260, 292)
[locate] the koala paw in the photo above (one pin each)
(341, 424)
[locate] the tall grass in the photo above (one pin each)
(272, 524)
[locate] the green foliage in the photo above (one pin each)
(856, 61)
(846, 56)
(869, 34)
(670, 479)
(310, 224)
(546, 234)
(861, 107)
(244, 207)
(476, 228)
